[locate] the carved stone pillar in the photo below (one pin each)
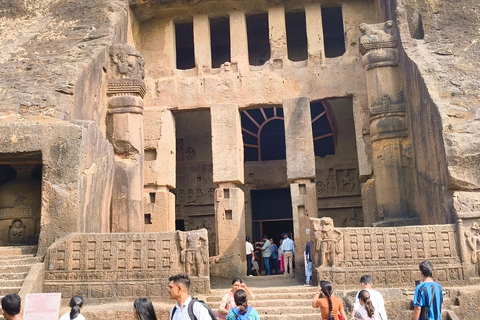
(378, 45)
(126, 90)
(300, 172)
(228, 173)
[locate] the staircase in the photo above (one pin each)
(277, 297)
(15, 262)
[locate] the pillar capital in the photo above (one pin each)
(378, 44)
(126, 71)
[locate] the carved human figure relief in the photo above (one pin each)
(347, 182)
(472, 237)
(328, 243)
(194, 252)
(17, 232)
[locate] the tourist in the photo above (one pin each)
(288, 248)
(308, 264)
(249, 251)
(11, 306)
(228, 301)
(266, 252)
(366, 311)
(255, 266)
(273, 256)
(428, 295)
(143, 309)
(330, 306)
(280, 254)
(178, 289)
(375, 296)
(76, 304)
(242, 310)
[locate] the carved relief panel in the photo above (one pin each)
(125, 265)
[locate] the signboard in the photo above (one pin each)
(42, 306)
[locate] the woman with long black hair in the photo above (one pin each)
(330, 306)
(76, 304)
(366, 310)
(143, 309)
(242, 310)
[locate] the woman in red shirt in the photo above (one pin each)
(330, 306)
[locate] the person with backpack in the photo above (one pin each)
(186, 307)
(428, 299)
(242, 311)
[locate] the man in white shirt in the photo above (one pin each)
(178, 288)
(375, 296)
(249, 252)
(288, 247)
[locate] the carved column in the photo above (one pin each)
(379, 49)
(126, 90)
(300, 172)
(228, 174)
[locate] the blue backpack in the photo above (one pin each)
(243, 316)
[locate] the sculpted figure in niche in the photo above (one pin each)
(198, 193)
(331, 183)
(347, 182)
(17, 232)
(321, 188)
(473, 242)
(190, 154)
(193, 253)
(328, 243)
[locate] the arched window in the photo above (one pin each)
(263, 132)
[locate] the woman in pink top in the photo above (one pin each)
(228, 300)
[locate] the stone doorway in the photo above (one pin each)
(195, 190)
(20, 201)
(271, 213)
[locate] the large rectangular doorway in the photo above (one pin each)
(271, 213)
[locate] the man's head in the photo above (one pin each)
(247, 238)
(265, 237)
(11, 304)
(426, 268)
(366, 281)
(179, 284)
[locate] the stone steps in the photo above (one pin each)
(15, 263)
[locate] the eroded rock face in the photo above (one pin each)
(46, 49)
(448, 55)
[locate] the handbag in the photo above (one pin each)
(425, 311)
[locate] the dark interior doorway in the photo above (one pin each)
(271, 213)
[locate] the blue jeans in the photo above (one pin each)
(249, 264)
(267, 265)
(309, 272)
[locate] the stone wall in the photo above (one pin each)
(390, 255)
(103, 267)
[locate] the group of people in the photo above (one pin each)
(370, 305)
(278, 258)
(11, 307)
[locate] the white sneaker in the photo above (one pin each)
(250, 275)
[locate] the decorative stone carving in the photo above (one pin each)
(126, 74)
(390, 254)
(125, 265)
(472, 237)
(387, 119)
(17, 232)
(378, 44)
(194, 254)
(327, 242)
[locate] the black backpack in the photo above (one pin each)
(190, 310)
